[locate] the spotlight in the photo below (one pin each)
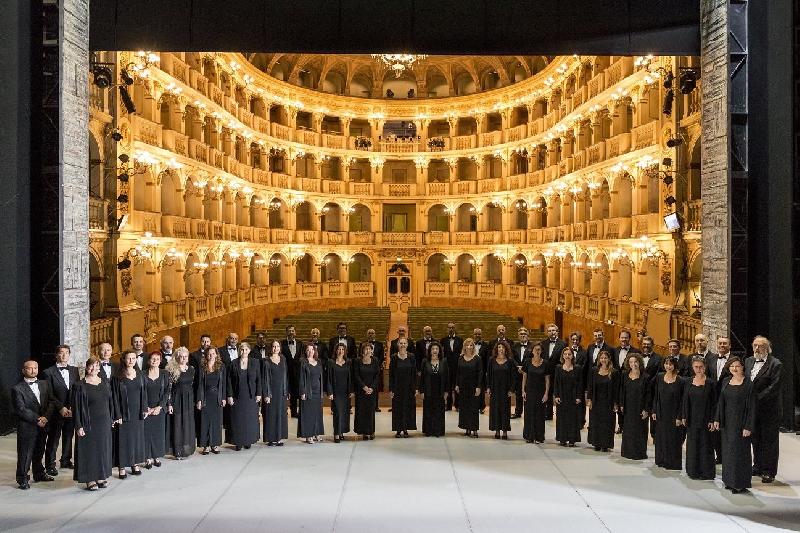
(126, 77)
(669, 96)
(127, 101)
(668, 79)
(668, 180)
(102, 76)
(123, 177)
(667, 161)
(124, 158)
(116, 135)
(124, 264)
(670, 200)
(688, 81)
(674, 141)
(122, 198)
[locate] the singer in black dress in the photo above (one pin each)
(211, 396)
(309, 423)
(244, 393)
(130, 396)
(469, 377)
(157, 383)
(735, 412)
(434, 384)
(633, 397)
(403, 390)
(601, 400)
(500, 385)
(699, 408)
(273, 413)
(366, 376)
(181, 440)
(94, 412)
(535, 393)
(340, 390)
(667, 413)
(568, 398)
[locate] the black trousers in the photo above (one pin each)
(30, 450)
(59, 429)
(765, 439)
(518, 402)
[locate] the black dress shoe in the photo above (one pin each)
(136, 471)
(50, 471)
(156, 463)
(504, 437)
(67, 464)
(767, 479)
(270, 444)
(398, 435)
(515, 415)
(238, 448)
(102, 484)
(246, 446)
(377, 409)
(497, 436)
(148, 465)
(336, 439)
(215, 450)
(372, 437)
(43, 477)
(24, 485)
(278, 444)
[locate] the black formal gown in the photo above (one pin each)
(633, 400)
(180, 424)
(501, 381)
(130, 396)
(667, 406)
(735, 412)
(244, 385)
(310, 423)
(403, 383)
(435, 382)
(211, 391)
(155, 426)
(568, 387)
(340, 384)
(468, 378)
(535, 410)
(603, 391)
(699, 408)
(274, 417)
(366, 375)
(94, 411)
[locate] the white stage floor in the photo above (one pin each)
(417, 484)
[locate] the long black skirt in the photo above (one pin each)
(700, 462)
(244, 421)
(404, 411)
(129, 443)
(433, 414)
(309, 423)
(341, 413)
(364, 418)
(569, 420)
(275, 419)
(469, 407)
(209, 423)
(155, 435)
(634, 434)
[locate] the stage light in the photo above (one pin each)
(124, 264)
(668, 180)
(669, 96)
(126, 78)
(116, 135)
(123, 177)
(670, 200)
(103, 77)
(688, 81)
(122, 198)
(127, 101)
(668, 79)
(667, 161)
(124, 158)
(672, 142)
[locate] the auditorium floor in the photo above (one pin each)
(387, 485)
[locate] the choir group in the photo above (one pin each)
(130, 414)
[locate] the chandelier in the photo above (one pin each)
(398, 63)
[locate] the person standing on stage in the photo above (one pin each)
(211, 396)
(568, 397)
(735, 420)
(60, 427)
(261, 348)
(158, 385)
(434, 384)
(293, 349)
(403, 390)
(34, 405)
(167, 345)
(536, 383)
(451, 346)
(667, 412)
(379, 354)
(196, 358)
(422, 347)
(483, 350)
(310, 423)
(602, 398)
(130, 397)
(699, 408)
(322, 348)
(717, 371)
(137, 346)
(366, 375)
(230, 352)
(342, 337)
(107, 368)
(520, 352)
(244, 390)
(634, 407)
(469, 378)
(276, 383)
(764, 370)
(339, 384)
(182, 440)
(501, 381)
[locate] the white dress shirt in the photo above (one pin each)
(64, 371)
(233, 352)
(623, 353)
(757, 366)
(106, 369)
(721, 361)
(552, 347)
(34, 385)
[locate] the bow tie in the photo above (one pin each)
(105, 364)
(31, 382)
(760, 360)
(61, 367)
(722, 357)
(167, 354)
(231, 348)
(290, 343)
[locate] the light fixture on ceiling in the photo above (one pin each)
(398, 63)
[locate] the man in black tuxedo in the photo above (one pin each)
(552, 346)
(107, 368)
(60, 377)
(230, 352)
(618, 359)
(196, 357)
(378, 353)
(293, 349)
(684, 366)
(652, 366)
(422, 347)
(137, 346)
(483, 350)
(717, 370)
(521, 351)
(701, 346)
(342, 337)
(167, 345)
(764, 371)
(402, 333)
(322, 348)
(33, 403)
(451, 347)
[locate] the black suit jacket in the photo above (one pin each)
(28, 409)
(519, 354)
(253, 379)
(555, 359)
(352, 350)
(293, 363)
(61, 394)
(711, 370)
(616, 352)
(580, 356)
(163, 364)
(102, 373)
(452, 355)
(196, 359)
(225, 355)
(322, 348)
(767, 384)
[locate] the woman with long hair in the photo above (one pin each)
(211, 395)
(469, 377)
(735, 419)
(180, 426)
(273, 412)
(568, 398)
(535, 392)
(130, 396)
(667, 413)
(244, 390)
(366, 375)
(340, 391)
(309, 424)
(500, 386)
(699, 408)
(633, 396)
(601, 400)
(94, 411)
(403, 390)
(434, 384)
(158, 387)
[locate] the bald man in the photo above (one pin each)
(167, 345)
(107, 368)
(32, 400)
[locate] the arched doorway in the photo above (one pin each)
(398, 287)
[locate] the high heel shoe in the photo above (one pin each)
(148, 465)
(215, 450)
(136, 471)
(336, 439)
(398, 435)
(505, 436)
(123, 474)
(405, 434)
